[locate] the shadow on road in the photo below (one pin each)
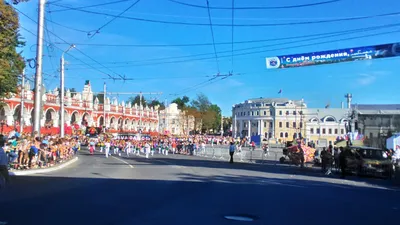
(192, 161)
(191, 199)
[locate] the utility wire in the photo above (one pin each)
(233, 30)
(212, 35)
(84, 63)
(67, 27)
(113, 19)
(320, 35)
(239, 25)
(70, 44)
(258, 7)
(263, 51)
(88, 6)
(236, 42)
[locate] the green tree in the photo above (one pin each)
(181, 102)
(227, 123)
(136, 100)
(100, 96)
(11, 62)
(155, 103)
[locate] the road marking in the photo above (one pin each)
(123, 161)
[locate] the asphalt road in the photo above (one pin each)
(187, 190)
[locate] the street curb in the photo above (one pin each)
(47, 170)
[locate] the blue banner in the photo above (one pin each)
(334, 56)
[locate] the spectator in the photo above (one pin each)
(231, 151)
(3, 161)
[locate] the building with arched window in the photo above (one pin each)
(326, 123)
(283, 120)
(81, 110)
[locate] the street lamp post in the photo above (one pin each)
(62, 113)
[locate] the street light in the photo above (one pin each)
(62, 113)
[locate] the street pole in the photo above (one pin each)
(62, 99)
(21, 123)
(104, 106)
(222, 125)
(140, 112)
(38, 77)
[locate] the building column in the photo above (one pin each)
(273, 129)
(249, 129)
(240, 128)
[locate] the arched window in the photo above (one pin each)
(330, 119)
(281, 135)
(314, 120)
(286, 135)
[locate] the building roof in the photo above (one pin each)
(321, 113)
(376, 106)
(269, 100)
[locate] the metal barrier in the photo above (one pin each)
(246, 155)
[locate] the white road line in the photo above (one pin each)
(123, 161)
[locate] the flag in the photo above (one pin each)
(280, 91)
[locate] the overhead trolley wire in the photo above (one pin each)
(88, 6)
(212, 35)
(237, 42)
(238, 25)
(113, 19)
(75, 48)
(351, 31)
(257, 7)
(261, 51)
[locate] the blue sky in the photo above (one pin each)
(369, 81)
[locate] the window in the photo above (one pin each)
(280, 124)
(330, 119)
(281, 135)
(265, 124)
(280, 112)
(287, 112)
(336, 131)
(329, 131)
(248, 113)
(270, 124)
(318, 131)
(301, 124)
(287, 124)
(265, 113)
(342, 131)
(294, 124)
(301, 112)
(294, 113)
(323, 130)
(312, 131)
(286, 135)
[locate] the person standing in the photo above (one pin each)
(231, 151)
(107, 146)
(3, 161)
(342, 162)
(147, 149)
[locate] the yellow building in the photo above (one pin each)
(283, 120)
(289, 120)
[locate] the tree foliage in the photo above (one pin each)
(182, 102)
(100, 96)
(155, 103)
(11, 62)
(136, 100)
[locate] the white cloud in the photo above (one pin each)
(366, 79)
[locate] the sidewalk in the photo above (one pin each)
(45, 170)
